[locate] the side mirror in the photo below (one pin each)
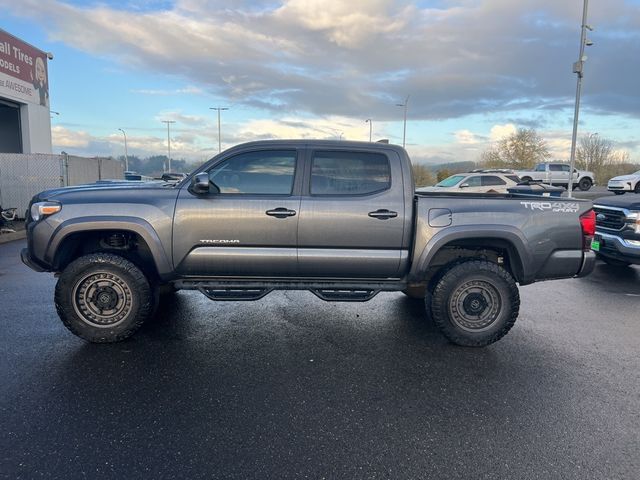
(464, 185)
(200, 183)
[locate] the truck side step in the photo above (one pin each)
(235, 294)
(333, 295)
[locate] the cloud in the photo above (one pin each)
(358, 58)
(189, 90)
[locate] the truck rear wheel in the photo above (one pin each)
(103, 297)
(475, 303)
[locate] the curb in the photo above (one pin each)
(10, 237)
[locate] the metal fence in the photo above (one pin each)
(24, 175)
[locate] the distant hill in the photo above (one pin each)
(452, 167)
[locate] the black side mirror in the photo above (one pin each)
(200, 183)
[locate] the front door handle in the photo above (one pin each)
(383, 214)
(281, 212)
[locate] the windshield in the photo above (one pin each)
(450, 181)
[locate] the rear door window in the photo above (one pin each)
(489, 180)
(349, 173)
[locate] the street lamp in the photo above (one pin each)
(169, 122)
(126, 153)
(219, 109)
(404, 130)
(368, 120)
(578, 69)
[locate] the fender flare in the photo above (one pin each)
(131, 224)
(514, 237)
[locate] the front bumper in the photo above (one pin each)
(26, 258)
(618, 248)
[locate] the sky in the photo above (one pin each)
(473, 72)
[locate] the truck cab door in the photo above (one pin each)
(352, 217)
(247, 223)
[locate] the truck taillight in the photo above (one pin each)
(588, 224)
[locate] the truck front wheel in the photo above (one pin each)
(475, 303)
(103, 297)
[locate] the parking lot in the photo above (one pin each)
(293, 387)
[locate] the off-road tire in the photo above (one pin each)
(470, 287)
(585, 184)
(526, 179)
(99, 280)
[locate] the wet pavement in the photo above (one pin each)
(293, 387)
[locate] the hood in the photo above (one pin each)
(103, 186)
(630, 201)
(625, 178)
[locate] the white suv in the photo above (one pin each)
(474, 183)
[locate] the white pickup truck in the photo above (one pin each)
(558, 174)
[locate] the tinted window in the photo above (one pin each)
(555, 168)
(513, 178)
(473, 181)
(492, 180)
(267, 172)
(349, 173)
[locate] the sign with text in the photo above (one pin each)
(23, 71)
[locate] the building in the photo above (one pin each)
(25, 117)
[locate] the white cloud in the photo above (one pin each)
(498, 132)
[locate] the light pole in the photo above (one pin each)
(404, 129)
(219, 109)
(169, 122)
(368, 120)
(578, 68)
(126, 153)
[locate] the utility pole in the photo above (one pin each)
(404, 129)
(169, 122)
(219, 109)
(368, 120)
(578, 68)
(126, 153)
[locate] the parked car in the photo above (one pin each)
(340, 219)
(617, 239)
(474, 183)
(625, 183)
(557, 173)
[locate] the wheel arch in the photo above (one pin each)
(447, 247)
(76, 237)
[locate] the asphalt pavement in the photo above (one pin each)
(293, 387)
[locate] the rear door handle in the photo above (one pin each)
(383, 214)
(280, 212)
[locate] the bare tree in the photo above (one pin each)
(422, 175)
(521, 150)
(594, 152)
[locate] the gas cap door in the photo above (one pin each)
(440, 217)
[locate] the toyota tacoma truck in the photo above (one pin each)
(558, 174)
(340, 219)
(617, 239)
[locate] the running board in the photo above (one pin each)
(331, 295)
(234, 294)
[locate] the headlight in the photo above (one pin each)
(40, 210)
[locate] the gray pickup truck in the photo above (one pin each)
(340, 219)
